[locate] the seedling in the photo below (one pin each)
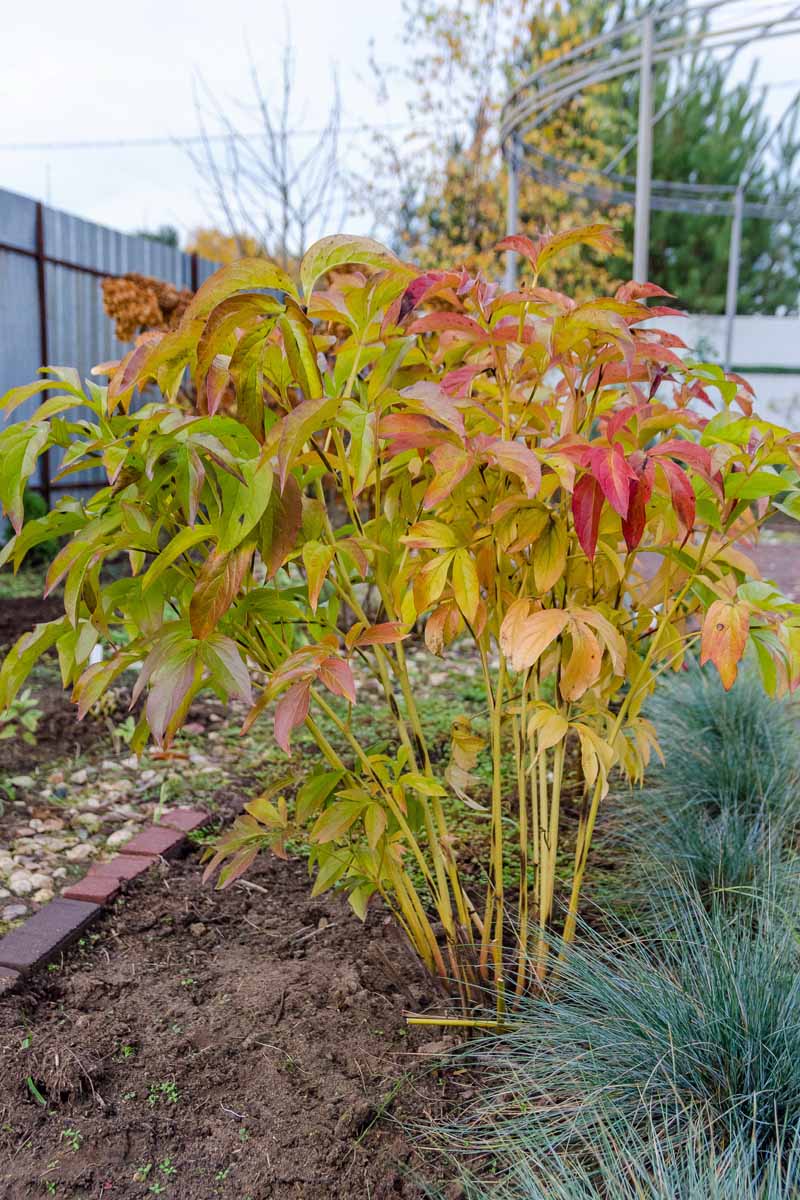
(73, 1138)
(167, 1092)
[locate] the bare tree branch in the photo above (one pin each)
(264, 186)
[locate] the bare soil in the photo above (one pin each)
(249, 1043)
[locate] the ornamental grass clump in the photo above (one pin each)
(491, 464)
(724, 808)
(624, 1164)
(653, 1063)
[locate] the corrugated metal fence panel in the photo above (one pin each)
(79, 333)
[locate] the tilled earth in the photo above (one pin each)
(249, 1043)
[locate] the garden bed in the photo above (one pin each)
(202, 1044)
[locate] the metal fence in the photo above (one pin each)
(51, 306)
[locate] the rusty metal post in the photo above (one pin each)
(41, 285)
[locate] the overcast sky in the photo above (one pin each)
(93, 70)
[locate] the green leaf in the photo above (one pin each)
(375, 821)
(237, 277)
(317, 558)
(740, 486)
(298, 426)
(314, 792)
(340, 250)
(243, 504)
(301, 351)
(466, 587)
(359, 899)
(336, 820)
(183, 541)
(361, 425)
(422, 783)
(331, 868)
(20, 447)
(23, 655)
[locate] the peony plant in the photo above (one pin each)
(557, 482)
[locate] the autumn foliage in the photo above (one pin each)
(136, 303)
(555, 481)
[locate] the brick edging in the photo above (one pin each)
(57, 924)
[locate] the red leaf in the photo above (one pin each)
(641, 491)
(456, 382)
(280, 525)
(382, 635)
(451, 465)
(410, 431)
(519, 460)
(216, 588)
(640, 291)
(290, 711)
(450, 322)
(682, 492)
(587, 504)
(549, 245)
(338, 678)
(423, 287)
(686, 451)
(615, 476)
(436, 403)
(216, 382)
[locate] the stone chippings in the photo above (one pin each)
(67, 821)
(53, 927)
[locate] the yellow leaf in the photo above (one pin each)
(466, 588)
(549, 726)
(429, 583)
(550, 556)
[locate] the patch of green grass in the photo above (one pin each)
(29, 581)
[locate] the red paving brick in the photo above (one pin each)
(185, 819)
(98, 889)
(123, 866)
(156, 840)
(39, 939)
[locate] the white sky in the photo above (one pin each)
(93, 70)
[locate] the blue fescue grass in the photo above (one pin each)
(670, 1063)
(726, 804)
(629, 1165)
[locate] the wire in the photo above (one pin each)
(186, 140)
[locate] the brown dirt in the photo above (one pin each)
(244, 1044)
(18, 614)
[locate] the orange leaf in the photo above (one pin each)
(524, 641)
(583, 665)
(216, 588)
(724, 639)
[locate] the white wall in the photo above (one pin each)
(757, 342)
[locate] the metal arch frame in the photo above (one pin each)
(552, 85)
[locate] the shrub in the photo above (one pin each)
(687, 1048)
(489, 461)
(726, 802)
